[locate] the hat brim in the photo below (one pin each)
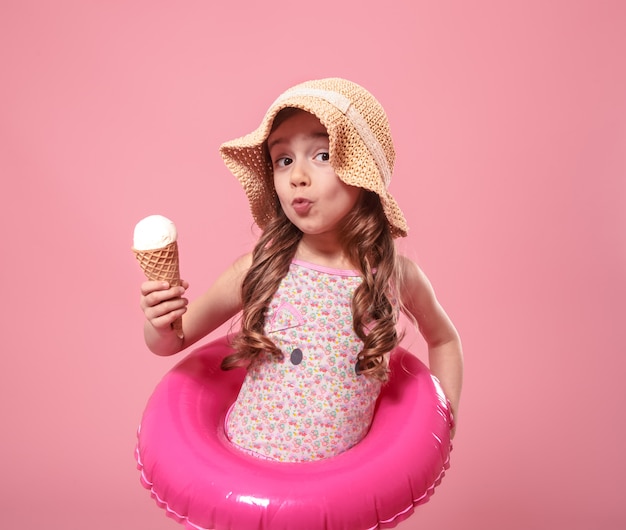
(247, 159)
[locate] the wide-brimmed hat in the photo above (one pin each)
(360, 145)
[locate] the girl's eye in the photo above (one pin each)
(323, 157)
(283, 161)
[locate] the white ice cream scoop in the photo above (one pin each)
(154, 231)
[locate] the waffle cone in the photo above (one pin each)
(161, 264)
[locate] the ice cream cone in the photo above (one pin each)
(161, 264)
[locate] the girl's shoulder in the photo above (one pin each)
(242, 263)
(411, 280)
(230, 280)
(407, 269)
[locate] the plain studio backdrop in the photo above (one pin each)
(510, 127)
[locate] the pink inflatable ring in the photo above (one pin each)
(203, 482)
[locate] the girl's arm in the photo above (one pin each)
(445, 354)
(162, 305)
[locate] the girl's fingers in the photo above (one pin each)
(151, 286)
(164, 321)
(162, 304)
(165, 307)
(163, 314)
(154, 293)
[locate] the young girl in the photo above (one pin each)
(321, 292)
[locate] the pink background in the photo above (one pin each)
(510, 123)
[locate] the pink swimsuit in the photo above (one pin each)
(311, 404)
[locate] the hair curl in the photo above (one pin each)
(271, 258)
(367, 240)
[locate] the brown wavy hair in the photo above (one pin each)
(366, 238)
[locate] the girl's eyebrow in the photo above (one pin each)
(282, 140)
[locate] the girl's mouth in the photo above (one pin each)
(301, 206)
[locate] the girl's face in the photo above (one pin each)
(310, 192)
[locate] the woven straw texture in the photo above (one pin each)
(350, 155)
(161, 264)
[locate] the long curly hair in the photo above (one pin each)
(366, 238)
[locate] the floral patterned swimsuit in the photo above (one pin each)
(310, 404)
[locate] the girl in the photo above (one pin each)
(321, 292)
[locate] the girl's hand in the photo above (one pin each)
(162, 304)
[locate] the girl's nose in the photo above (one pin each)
(299, 175)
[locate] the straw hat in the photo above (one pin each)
(361, 147)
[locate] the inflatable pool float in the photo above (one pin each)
(195, 474)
